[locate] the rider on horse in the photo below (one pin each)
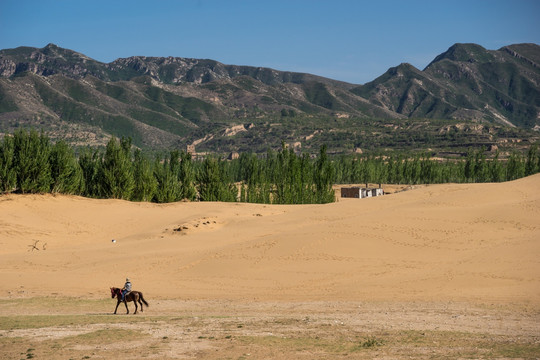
(126, 288)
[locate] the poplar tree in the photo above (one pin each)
(428, 170)
(168, 189)
(280, 176)
(213, 183)
(469, 167)
(8, 174)
(514, 167)
(143, 175)
(481, 169)
(116, 177)
(90, 163)
(305, 184)
(323, 178)
(67, 175)
(533, 161)
(31, 160)
(254, 176)
(186, 177)
(496, 169)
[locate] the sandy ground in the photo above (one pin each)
(474, 242)
(453, 258)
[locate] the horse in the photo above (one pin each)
(135, 296)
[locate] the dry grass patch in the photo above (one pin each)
(452, 345)
(401, 344)
(104, 336)
(313, 344)
(57, 305)
(93, 344)
(213, 330)
(19, 322)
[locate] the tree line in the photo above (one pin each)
(476, 167)
(31, 163)
(284, 177)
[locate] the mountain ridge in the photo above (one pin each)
(173, 101)
(187, 69)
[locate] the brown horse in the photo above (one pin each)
(135, 296)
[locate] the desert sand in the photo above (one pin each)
(441, 271)
(456, 242)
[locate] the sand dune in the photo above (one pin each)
(472, 242)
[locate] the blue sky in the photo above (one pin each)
(353, 41)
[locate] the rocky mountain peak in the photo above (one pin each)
(471, 53)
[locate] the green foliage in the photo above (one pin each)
(115, 91)
(79, 92)
(143, 175)
(67, 175)
(187, 178)
(481, 170)
(532, 164)
(287, 112)
(190, 108)
(318, 94)
(469, 166)
(323, 178)
(31, 161)
(168, 188)
(6, 103)
(8, 172)
(116, 172)
(214, 184)
(496, 169)
(285, 178)
(73, 111)
(515, 167)
(421, 169)
(252, 172)
(90, 164)
(371, 342)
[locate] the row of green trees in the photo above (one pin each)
(121, 173)
(284, 177)
(31, 163)
(422, 169)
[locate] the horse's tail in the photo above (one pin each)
(142, 299)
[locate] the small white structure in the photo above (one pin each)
(360, 193)
(367, 192)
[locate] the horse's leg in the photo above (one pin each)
(138, 299)
(117, 303)
(135, 302)
(125, 303)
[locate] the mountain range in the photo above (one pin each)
(467, 95)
